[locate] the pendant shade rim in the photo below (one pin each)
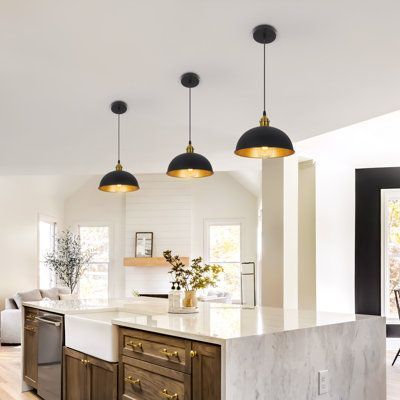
(190, 165)
(119, 181)
(264, 142)
(190, 173)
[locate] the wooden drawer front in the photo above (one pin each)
(163, 350)
(140, 380)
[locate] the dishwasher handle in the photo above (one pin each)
(47, 321)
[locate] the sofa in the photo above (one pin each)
(11, 316)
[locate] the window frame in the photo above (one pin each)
(208, 222)
(386, 196)
(49, 220)
(93, 224)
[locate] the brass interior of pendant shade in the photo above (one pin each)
(264, 152)
(190, 173)
(119, 188)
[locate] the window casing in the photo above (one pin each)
(390, 250)
(47, 228)
(94, 284)
(223, 246)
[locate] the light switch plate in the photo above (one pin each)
(323, 382)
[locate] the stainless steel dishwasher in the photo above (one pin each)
(50, 345)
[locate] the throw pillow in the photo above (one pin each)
(51, 294)
(33, 295)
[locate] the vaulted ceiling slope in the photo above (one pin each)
(63, 62)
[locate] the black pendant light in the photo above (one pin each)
(264, 141)
(190, 164)
(118, 181)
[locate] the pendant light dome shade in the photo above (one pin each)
(118, 181)
(190, 164)
(264, 141)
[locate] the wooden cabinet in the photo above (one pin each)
(156, 367)
(88, 378)
(140, 380)
(206, 371)
(167, 351)
(102, 379)
(30, 347)
(75, 376)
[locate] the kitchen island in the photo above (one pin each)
(261, 353)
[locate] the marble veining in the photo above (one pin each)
(285, 365)
(215, 320)
(267, 353)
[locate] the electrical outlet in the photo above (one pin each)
(323, 382)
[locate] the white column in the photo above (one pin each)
(279, 261)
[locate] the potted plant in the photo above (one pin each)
(68, 260)
(192, 278)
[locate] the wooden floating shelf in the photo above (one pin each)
(150, 261)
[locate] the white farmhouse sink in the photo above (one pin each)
(93, 333)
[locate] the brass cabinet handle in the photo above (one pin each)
(165, 394)
(193, 353)
(85, 362)
(30, 329)
(132, 381)
(169, 354)
(135, 345)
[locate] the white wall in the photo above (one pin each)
(22, 199)
(335, 219)
(162, 206)
(279, 267)
(176, 211)
(306, 232)
(88, 205)
(222, 197)
(373, 143)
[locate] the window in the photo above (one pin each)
(46, 236)
(94, 282)
(224, 247)
(390, 250)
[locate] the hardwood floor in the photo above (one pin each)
(10, 372)
(10, 375)
(392, 376)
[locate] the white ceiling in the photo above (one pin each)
(63, 62)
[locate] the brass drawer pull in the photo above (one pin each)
(30, 329)
(85, 362)
(165, 394)
(193, 353)
(169, 354)
(132, 381)
(135, 346)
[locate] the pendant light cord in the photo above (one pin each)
(264, 112)
(119, 140)
(190, 115)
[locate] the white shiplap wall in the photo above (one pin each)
(162, 206)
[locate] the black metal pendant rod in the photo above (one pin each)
(119, 140)
(190, 115)
(264, 113)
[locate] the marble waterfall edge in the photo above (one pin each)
(285, 365)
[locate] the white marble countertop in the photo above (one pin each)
(214, 323)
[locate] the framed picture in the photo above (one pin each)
(144, 244)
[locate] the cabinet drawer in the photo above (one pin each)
(140, 380)
(167, 351)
